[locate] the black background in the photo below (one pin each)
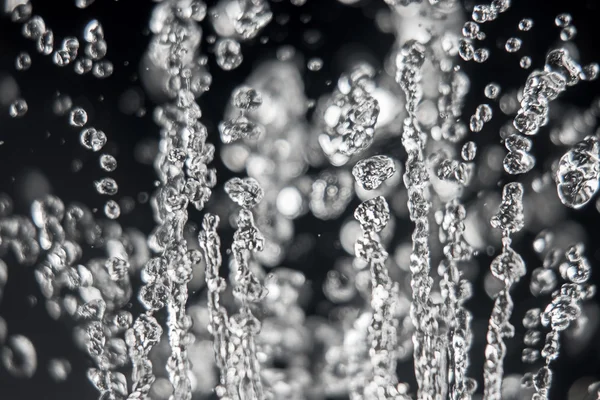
(44, 142)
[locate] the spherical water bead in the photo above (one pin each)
(492, 90)
(112, 209)
(484, 111)
(525, 24)
(83, 3)
(117, 268)
(45, 43)
(34, 28)
(469, 151)
(466, 50)
(102, 69)
(590, 72)
(61, 58)
(23, 61)
(83, 66)
(470, 30)
(96, 50)
(481, 55)
(107, 186)
(483, 13)
(245, 192)
(543, 280)
(59, 369)
(568, 33)
(475, 123)
(373, 214)
(93, 31)
(315, 64)
(532, 318)
(108, 162)
(78, 117)
(18, 108)
(513, 45)
(371, 172)
(563, 20)
(530, 356)
(518, 162)
(509, 267)
(19, 357)
(229, 54)
(246, 98)
(92, 139)
(21, 13)
(525, 62)
(578, 174)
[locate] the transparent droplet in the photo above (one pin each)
(525, 62)
(92, 139)
(513, 45)
(563, 20)
(246, 98)
(315, 64)
(78, 117)
(112, 209)
(107, 186)
(108, 162)
(492, 90)
(102, 69)
(18, 108)
(93, 31)
(568, 33)
(468, 151)
(371, 172)
(83, 66)
(525, 24)
(34, 28)
(470, 30)
(19, 357)
(481, 55)
(23, 61)
(45, 43)
(245, 192)
(484, 111)
(228, 54)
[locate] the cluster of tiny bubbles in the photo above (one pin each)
(244, 334)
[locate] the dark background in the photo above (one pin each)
(44, 142)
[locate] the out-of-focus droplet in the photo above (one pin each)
(19, 357)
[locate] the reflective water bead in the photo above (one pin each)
(525, 24)
(468, 151)
(112, 209)
(92, 139)
(78, 117)
(513, 45)
(108, 162)
(568, 33)
(525, 62)
(492, 90)
(107, 186)
(18, 108)
(229, 54)
(563, 20)
(23, 61)
(247, 98)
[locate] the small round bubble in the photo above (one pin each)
(108, 162)
(315, 64)
(568, 33)
(112, 209)
(23, 61)
(525, 62)
(563, 20)
(513, 45)
(18, 108)
(525, 24)
(492, 91)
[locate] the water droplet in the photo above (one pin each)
(112, 209)
(245, 192)
(525, 62)
(19, 357)
(92, 139)
(578, 173)
(102, 69)
(107, 186)
(468, 151)
(470, 30)
(315, 64)
(23, 61)
(83, 3)
(568, 33)
(246, 98)
(513, 45)
(525, 24)
(373, 214)
(18, 108)
(563, 20)
(78, 117)
(108, 162)
(229, 54)
(492, 90)
(371, 172)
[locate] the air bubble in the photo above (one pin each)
(112, 209)
(18, 108)
(229, 54)
(78, 117)
(108, 162)
(492, 91)
(568, 33)
(513, 45)
(92, 139)
(23, 61)
(525, 24)
(107, 186)
(315, 64)
(525, 62)
(563, 20)
(246, 98)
